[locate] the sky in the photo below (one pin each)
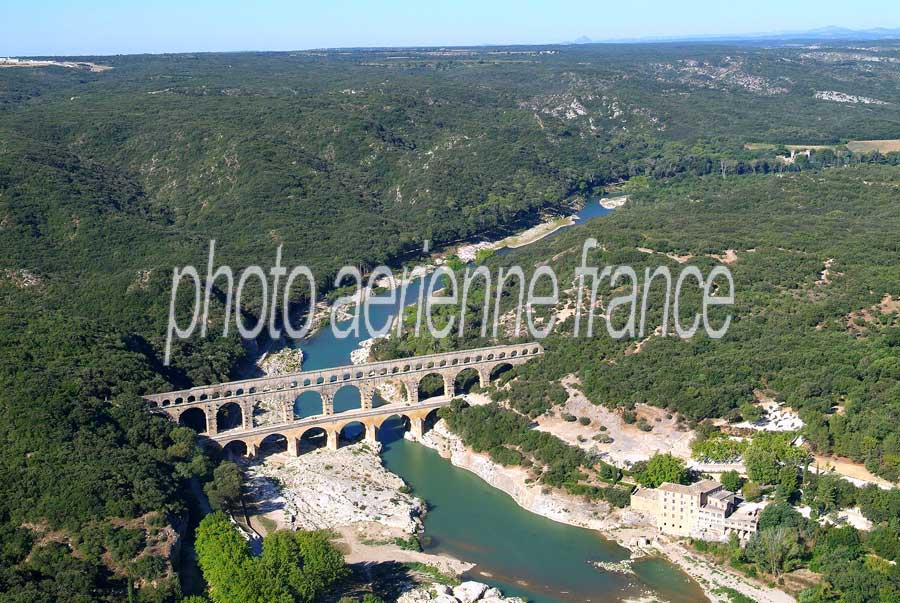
(58, 27)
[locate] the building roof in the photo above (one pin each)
(701, 487)
(644, 493)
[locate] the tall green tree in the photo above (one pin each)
(774, 550)
(663, 468)
(224, 490)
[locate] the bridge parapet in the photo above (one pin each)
(365, 377)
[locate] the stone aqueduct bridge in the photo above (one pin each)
(280, 392)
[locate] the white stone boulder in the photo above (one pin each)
(441, 589)
(444, 598)
(469, 592)
(492, 593)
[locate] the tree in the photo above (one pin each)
(788, 480)
(780, 514)
(663, 468)
(294, 567)
(827, 494)
(322, 563)
(224, 491)
(774, 549)
(732, 481)
(750, 412)
(761, 464)
(224, 558)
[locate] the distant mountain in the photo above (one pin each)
(822, 33)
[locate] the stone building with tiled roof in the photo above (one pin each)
(701, 510)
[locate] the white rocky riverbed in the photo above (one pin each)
(467, 592)
(282, 362)
(328, 489)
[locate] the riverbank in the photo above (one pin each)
(536, 233)
(329, 489)
(630, 529)
(592, 209)
(558, 506)
(614, 202)
(374, 517)
(466, 592)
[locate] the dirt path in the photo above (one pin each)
(849, 469)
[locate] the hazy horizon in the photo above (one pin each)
(108, 28)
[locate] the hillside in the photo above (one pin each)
(109, 179)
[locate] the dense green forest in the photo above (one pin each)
(824, 342)
(109, 179)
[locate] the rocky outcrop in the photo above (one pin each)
(331, 488)
(467, 592)
(282, 362)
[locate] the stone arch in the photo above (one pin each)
(466, 380)
(312, 439)
(499, 369)
(348, 397)
(273, 444)
(430, 419)
(352, 432)
(195, 418)
(396, 417)
(308, 404)
(229, 416)
(430, 386)
(237, 448)
(393, 427)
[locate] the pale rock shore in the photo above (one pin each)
(326, 489)
(284, 361)
(630, 529)
(533, 497)
(350, 492)
(363, 352)
(614, 202)
(467, 592)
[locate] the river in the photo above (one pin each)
(520, 552)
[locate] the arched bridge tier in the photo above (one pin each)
(332, 426)
(278, 393)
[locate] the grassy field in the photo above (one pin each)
(857, 146)
(866, 146)
(765, 146)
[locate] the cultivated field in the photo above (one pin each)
(882, 146)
